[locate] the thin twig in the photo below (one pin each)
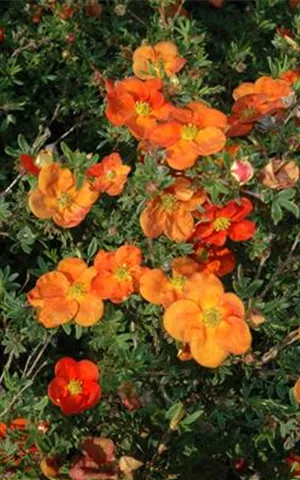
(64, 135)
(7, 365)
(39, 356)
(133, 15)
(281, 267)
(11, 185)
(30, 357)
(178, 11)
(17, 395)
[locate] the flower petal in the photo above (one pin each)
(87, 370)
(233, 335)
(210, 140)
(72, 267)
(206, 351)
(65, 368)
(152, 284)
(182, 320)
(242, 231)
(40, 205)
(90, 310)
(56, 312)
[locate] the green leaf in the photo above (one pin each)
(290, 207)
(174, 410)
(287, 194)
(192, 418)
(92, 248)
(276, 212)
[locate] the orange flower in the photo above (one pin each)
(195, 130)
(210, 321)
(273, 89)
(158, 288)
(253, 101)
(155, 61)
(230, 220)
(136, 104)
(75, 387)
(291, 76)
(66, 294)
(58, 198)
(171, 211)
(214, 259)
(110, 175)
(118, 273)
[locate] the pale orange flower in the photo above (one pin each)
(118, 273)
(171, 211)
(153, 61)
(66, 294)
(209, 320)
(273, 89)
(58, 198)
(162, 289)
(110, 175)
(196, 130)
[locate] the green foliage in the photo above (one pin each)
(50, 94)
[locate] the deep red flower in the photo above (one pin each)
(218, 223)
(214, 259)
(2, 35)
(293, 461)
(75, 387)
(28, 163)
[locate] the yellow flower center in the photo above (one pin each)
(64, 201)
(169, 202)
(142, 108)
(211, 317)
(178, 282)
(75, 387)
(110, 175)
(221, 223)
(76, 291)
(122, 273)
(189, 132)
(247, 113)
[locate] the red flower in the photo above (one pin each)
(294, 462)
(214, 259)
(28, 163)
(218, 223)
(75, 387)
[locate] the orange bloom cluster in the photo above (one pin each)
(139, 104)
(58, 198)
(118, 273)
(66, 294)
(76, 292)
(209, 320)
(75, 387)
(254, 101)
(110, 175)
(171, 212)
